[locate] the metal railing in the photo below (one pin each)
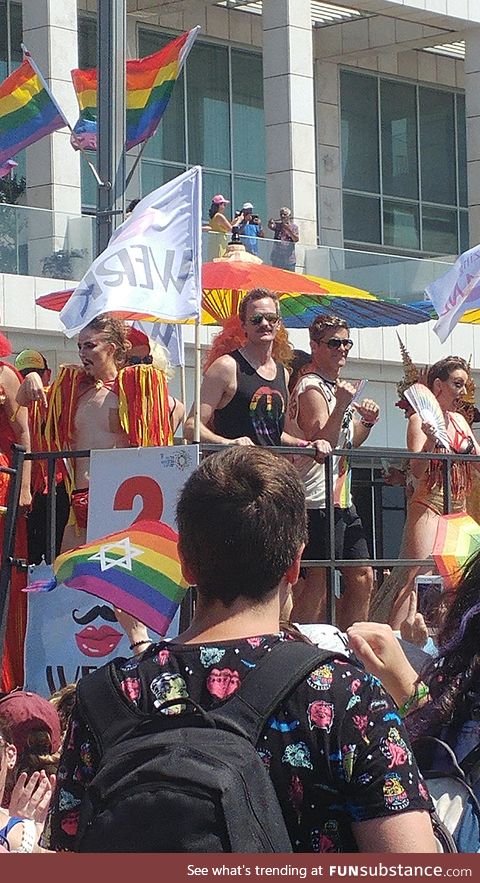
(364, 455)
(60, 245)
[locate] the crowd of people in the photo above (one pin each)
(337, 748)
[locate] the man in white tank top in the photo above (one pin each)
(321, 406)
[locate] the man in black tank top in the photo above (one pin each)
(243, 400)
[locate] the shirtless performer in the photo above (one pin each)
(98, 406)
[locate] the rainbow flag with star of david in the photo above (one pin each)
(136, 569)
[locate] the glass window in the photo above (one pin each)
(462, 150)
(439, 230)
(11, 37)
(254, 191)
(88, 182)
(360, 162)
(437, 146)
(464, 231)
(213, 183)
(153, 175)
(399, 139)
(87, 43)
(401, 226)
(248, 123)
(208, 107)
(361, 218)
(169, 140)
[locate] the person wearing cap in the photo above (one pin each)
(220, 226)
(14, 429)
(30, 741)
(285, 233)
(31, 360)
(250, 229)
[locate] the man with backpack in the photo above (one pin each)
(237, 736)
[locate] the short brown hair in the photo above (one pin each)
(322, 324)
(241, 520)
(442, 369)
(116, 332)
(256, 294)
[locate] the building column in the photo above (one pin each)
(53, 167)
(472, 104)
(328, 154)
(289, 113)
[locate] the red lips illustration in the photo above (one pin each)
(95, 642)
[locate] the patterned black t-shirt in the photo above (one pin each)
(336, 749)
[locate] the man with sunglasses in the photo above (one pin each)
(244, 395)
(322, 405)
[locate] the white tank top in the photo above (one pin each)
(311, 473)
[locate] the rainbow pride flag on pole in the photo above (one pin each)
(28, 110)
(137, 570)
(149, 85)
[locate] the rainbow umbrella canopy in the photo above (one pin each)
(302, 297)
(457, 539)
(136, 569)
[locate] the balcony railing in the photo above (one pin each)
(37, 242)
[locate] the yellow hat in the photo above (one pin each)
(30, 360)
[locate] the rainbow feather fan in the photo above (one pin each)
(137, 570)
(426, 405)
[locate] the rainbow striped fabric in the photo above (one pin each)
(149, 85)
(137, 569)
(28, 111)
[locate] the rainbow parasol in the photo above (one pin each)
(457, 539)
(225, 283)
(137, 569)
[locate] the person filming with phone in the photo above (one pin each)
(285, 233)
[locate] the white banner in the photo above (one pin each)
(152, 264)
(457, 291)
(70, 633)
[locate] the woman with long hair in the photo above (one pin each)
(447, 379)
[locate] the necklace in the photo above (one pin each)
(108, 384)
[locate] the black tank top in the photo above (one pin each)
(257, 409)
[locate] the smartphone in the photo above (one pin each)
(429, 593)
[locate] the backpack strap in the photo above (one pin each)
(107, 712)
(275, 675)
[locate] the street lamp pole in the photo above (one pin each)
(111, 58)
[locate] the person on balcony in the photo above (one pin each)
(448, 379)
(220, 226)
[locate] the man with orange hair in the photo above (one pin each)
(244, 395)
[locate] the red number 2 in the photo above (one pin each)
(150, 492)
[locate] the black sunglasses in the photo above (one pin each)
(336, 342)
(140, 360)
(258, 318)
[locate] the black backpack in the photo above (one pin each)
(189, 782)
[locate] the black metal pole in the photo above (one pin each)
(330, 575)
(111, 58)
(11, 516)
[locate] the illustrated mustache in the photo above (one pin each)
(105, 612)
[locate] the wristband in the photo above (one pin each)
(139, 643)
(420, 692)
(367, 423)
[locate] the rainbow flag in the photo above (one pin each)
(137, 569)
(149, 85)
(28, 110)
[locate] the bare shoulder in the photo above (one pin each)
(8, 378)
(225, 367)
